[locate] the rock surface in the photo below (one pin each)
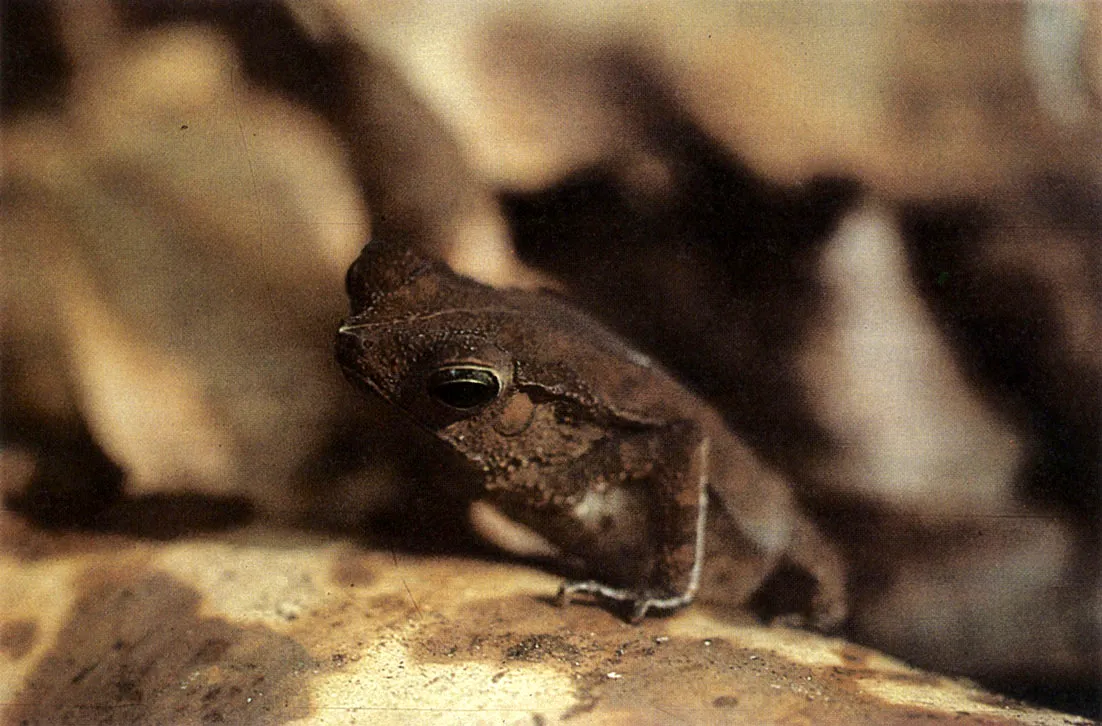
(261, 625)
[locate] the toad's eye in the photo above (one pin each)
(464, 386)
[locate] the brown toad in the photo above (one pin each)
(574, 434)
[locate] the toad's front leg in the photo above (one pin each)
(772, 539)
(677, 494)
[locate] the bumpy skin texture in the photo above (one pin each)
(574, 434)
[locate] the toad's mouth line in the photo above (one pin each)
(351, 326)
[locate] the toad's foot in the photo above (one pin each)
(641, 601)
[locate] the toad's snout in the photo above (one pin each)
(350, 346)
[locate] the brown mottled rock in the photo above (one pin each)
(265, 626)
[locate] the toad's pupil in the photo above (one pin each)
(464, 386)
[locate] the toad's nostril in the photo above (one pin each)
(348, 329)
(349, 344)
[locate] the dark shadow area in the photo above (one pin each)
(173, 516)
(884, 548)
(682, 249)
(428, 487)
(137, 650)
(76, 486)
(789, 590)
(1085, 700)
(74, 481)
(992, 276)
(34, 67)
(426, 523)
(157, 517)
